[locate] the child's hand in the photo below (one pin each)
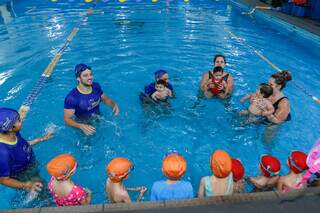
(143, 189)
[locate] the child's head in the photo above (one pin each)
(220, 163)
(174, 166)
(218, 72)
(9, 120)
(62, 166)
(297, 162)
(265, 90)
(269, 166)
(161, 85)
(237, 170)
(118, 169)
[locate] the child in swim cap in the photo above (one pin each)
(117, 171)
(297, 162)
(174, 167)
(63, 190)
(162, 92)
(237, 174)
(260, 105)
(220, 182)
(269, 167)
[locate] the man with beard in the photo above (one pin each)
(83, 101)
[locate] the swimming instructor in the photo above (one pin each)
(84, 100)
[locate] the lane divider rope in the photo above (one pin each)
(260, 55)
(25, 107)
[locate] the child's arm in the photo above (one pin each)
(246, 97)
(224, 87)
(201, 188)
(154, 96)
(125, 197)
(142, 191)
(269, 109)
(47, 136)
(88, 197)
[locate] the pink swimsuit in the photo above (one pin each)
(74, 198)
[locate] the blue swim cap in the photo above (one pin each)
(8, 117)
(159, 73)
(80, 68)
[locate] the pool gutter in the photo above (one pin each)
(303, 27)
(306, 200)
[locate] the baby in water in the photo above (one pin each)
(162, 92)
(260, 105)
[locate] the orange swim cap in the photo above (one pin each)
(174, 166)
(220, 163)
(237, 170)
(270, 166)
(62, 166)
(297, 161)
(118, 169)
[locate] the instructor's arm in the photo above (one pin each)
(87, 129)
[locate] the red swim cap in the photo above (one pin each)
(237, 170)
(297, 162)
(270, 166)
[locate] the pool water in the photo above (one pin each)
(125, 44)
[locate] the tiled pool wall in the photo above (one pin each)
(279, 23)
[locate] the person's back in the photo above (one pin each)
(173, 167)
(171, 190)
(63, 190)
(117, 193)
(117, 171)
(269, 167)
(221, 182)
(218, 186)
(297, 162)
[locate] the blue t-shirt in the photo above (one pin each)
(177, 191)
(151, 88)
(15, 157)
(84, 105)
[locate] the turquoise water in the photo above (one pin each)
(125, 44)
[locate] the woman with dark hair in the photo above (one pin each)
(279, 100)
(207, 81)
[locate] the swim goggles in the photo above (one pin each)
(267, 169)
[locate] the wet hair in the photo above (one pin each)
(162, 82)
(218, 69)
(266, 90)
(281, 78)
(219, 55)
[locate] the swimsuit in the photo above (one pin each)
(208, 187)
(74, 198)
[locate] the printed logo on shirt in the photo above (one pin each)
(93, 103)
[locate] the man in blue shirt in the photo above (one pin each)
(83, 101)
(16, 153)
(174, 166)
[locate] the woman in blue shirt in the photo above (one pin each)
(16, 153)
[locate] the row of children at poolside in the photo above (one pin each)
(260, 105)
(228, 176)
